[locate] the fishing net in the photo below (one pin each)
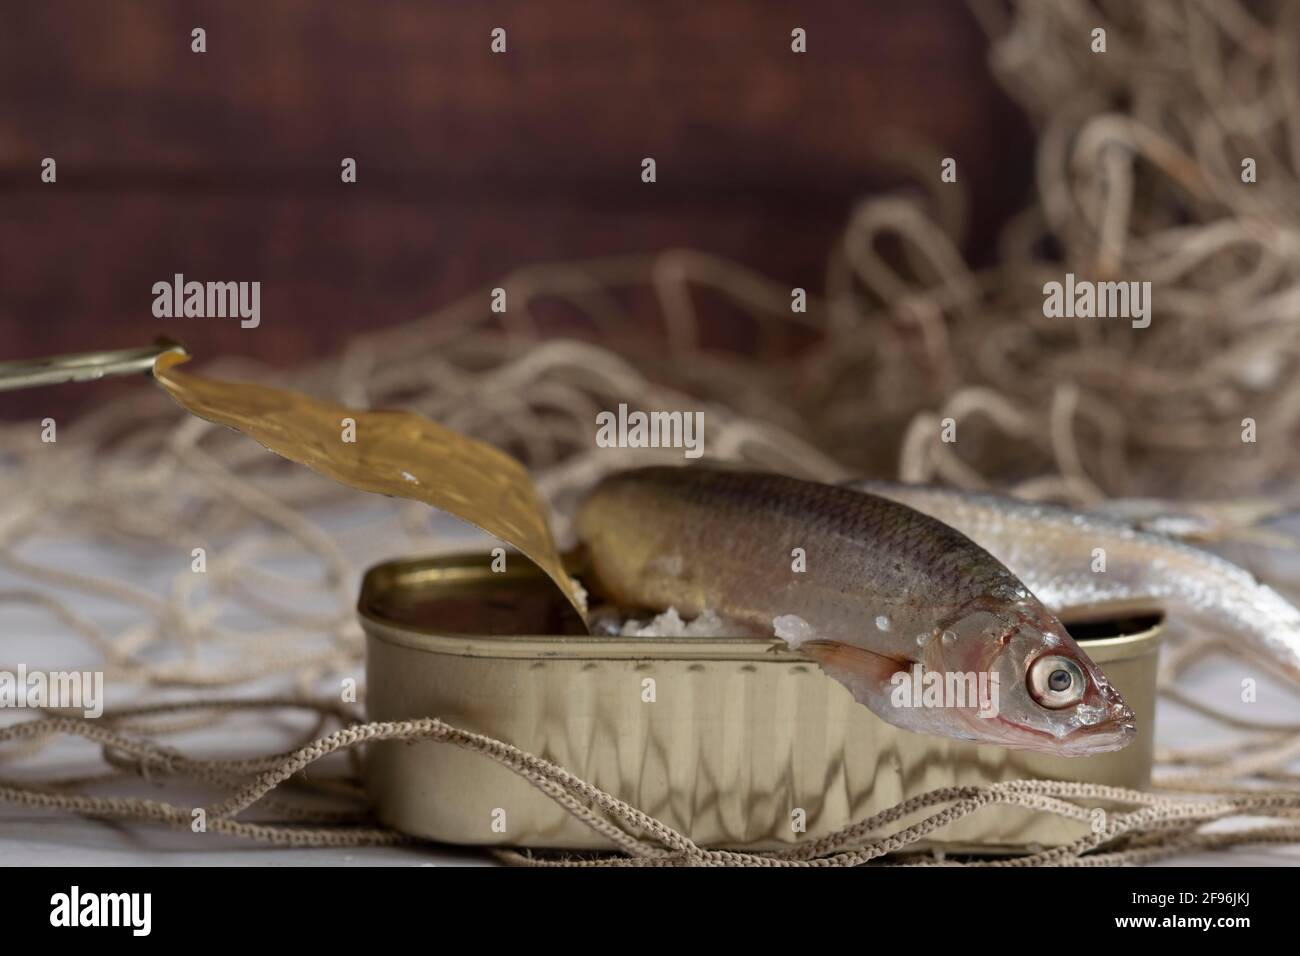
(1138, 176)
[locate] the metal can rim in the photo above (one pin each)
(387, 577)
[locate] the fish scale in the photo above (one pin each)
(918, 558)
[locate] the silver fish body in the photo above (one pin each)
(878, 589)
(1070, 558)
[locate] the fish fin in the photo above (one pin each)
(866, 674)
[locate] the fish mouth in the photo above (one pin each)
(1102, 739)
(1115, 733)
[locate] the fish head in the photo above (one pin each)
(1051, 697)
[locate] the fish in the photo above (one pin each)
(1071, 558)
(875, 592)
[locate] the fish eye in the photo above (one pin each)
(1056, 681)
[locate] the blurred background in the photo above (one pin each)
(225, 165)
(1093, 137)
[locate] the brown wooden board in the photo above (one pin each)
(225, 165)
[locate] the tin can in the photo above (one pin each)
(735, 742)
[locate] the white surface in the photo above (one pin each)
(44, 838)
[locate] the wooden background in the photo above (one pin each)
(225, 165)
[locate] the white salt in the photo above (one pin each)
(792, 629)
(579, 592)
(667, 624)
(671, 624)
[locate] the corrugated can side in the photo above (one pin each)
(734, 742)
